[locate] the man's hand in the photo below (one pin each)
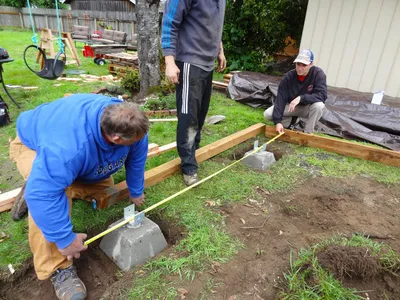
(75, 248)
(294, 103)
(139, 200)
(171, 70)
(279, 128)
(221, 60)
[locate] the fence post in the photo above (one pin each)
(95, 24)
(22, 20)
(47, 21)
(62, 25)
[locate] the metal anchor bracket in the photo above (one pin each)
(264, 148)
(129, 212)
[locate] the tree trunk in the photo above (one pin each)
(148, 44)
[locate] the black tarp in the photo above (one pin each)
(348, 114)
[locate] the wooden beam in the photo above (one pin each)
(153, 147)
(164, 120)
(383, 156)
(161, 150)
(120, 191)
(7, 199)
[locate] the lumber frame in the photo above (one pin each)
(7, 199)
(384, 156)
(120, 191)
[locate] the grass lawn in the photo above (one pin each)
(207, 240)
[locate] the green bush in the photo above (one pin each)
(254, 30)
(131, 81)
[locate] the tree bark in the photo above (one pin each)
(148, 44)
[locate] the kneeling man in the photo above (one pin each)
(301, 93)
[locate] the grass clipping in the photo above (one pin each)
(317, 272)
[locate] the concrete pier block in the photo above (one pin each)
(260, 160)
(129, 247)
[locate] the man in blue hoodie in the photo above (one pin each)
(191, 41)
(69, 149)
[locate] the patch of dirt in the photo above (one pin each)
(319, 208)
(103, 279)
(349, 262)
(270, 230)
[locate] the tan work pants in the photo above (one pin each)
(46, 256)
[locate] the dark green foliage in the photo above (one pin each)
(256, 29)
(131, 81)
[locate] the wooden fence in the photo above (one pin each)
(47, 18)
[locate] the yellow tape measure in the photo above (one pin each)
(177, 194)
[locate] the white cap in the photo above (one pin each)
(305, 57)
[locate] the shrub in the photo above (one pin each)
(131, 81)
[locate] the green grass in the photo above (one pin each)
(206, 240)
(323, 284)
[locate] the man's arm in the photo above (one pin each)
(280, 102)
(319, 92)
(221, 59)
(174, 10)
(48, 203)
(134, 165)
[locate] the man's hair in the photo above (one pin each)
(124, 120)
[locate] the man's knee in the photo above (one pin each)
(318, 106)
(268, 113)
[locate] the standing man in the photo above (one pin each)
(69, 149)
(191, 41)
(301, 93)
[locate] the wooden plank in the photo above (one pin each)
(6, 207)
(7, 199)
(383, 156)
(153, 147)
(161, 150)
(120, 191)
(223, 84)
(164, 120)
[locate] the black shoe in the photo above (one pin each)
(19, 209)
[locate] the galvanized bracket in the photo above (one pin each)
(264, 148)
(129, 212)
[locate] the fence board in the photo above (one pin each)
(119, 20)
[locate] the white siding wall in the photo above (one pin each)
(356, 43)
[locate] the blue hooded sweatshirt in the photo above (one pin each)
(69, 147)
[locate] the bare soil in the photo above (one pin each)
(269, 230)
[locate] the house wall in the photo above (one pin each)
(101, 5)
(356, 43)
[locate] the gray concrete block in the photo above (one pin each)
(260, 160)
(129, 247)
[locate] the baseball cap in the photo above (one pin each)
(305, 57)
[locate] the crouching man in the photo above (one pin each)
(69, 149)
(301, 93)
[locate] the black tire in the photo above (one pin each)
(101, 62)
(95, 60)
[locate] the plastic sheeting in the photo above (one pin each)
(348, 114)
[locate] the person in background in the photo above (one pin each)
(301, 93)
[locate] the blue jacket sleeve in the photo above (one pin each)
(134, 165)
(319, 92)
(280, 101)
(46, 198)
(174, 11)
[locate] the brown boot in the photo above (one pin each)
(67, 284)
(19, 209)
